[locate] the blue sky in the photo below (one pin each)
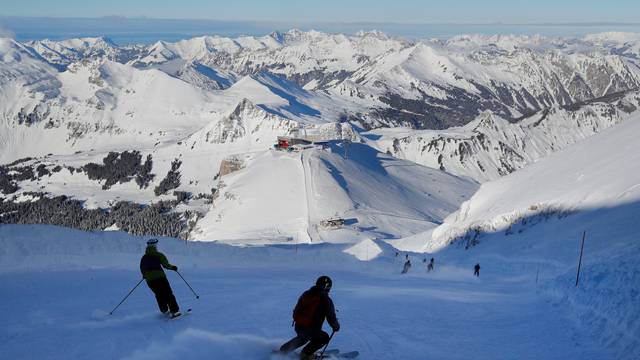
(399, 11)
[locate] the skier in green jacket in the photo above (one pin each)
(151, 266)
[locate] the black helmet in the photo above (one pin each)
(324, 283)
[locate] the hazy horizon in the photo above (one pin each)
(130, 30)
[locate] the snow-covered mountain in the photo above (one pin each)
(426, 84)
(490, 146)
(430, 84)
(65, 52)
(102, 123)
(81, 86)
(97, 103)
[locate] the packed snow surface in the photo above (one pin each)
(284, 197)
(61, 284)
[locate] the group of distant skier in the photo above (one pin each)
(430, 265)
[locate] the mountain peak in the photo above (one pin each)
(373, 33)
(278, 36)
(245, 105)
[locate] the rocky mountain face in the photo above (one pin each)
(490, 146)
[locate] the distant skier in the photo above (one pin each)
(313, 307)
(431, 265)
(151, 266)
(406, 267)
(476, 270)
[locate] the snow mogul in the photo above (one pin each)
(151, 266)
(313, 307)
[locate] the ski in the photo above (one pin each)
(296, 355)
(331, 352)
(340, 355)
(328, 354)
(185, 313)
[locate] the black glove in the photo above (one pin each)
(175, 268)
(336, 328)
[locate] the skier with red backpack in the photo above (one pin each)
(313, 307)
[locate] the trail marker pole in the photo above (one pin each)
(584, 234)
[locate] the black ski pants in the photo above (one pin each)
(164, 294)
(316, 339)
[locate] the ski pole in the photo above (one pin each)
(327, 344)
(125, 298)
(185, 281)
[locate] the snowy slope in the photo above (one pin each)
(283, 197)
(245, 129)
(61, 285)
(602, 171)
(24, 74)
(532, 222)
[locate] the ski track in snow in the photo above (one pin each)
(308, 190)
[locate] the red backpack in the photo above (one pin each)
(305, 310)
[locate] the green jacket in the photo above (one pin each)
(152, 263)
